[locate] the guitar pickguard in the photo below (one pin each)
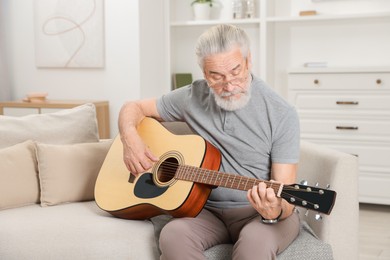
(146, 189)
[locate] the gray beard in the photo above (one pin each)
(230, 104)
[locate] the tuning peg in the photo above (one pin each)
(307, 213)
(303, 182)
(317, 184)
(328, 186)
(296, 210)
(318, 217)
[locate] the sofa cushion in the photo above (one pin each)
(73, 231)
(67, 173)
(75, 125)
(18, 176)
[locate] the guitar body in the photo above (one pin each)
(153, 193)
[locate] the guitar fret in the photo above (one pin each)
(202, 176)
(205, 176)
(197, 177)
(232, 181)
(254, 183)
(242, 185)
(225, 181)
(246, 183)
(186, 175)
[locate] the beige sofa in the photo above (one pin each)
(47, 209)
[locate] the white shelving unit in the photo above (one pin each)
(281, 39)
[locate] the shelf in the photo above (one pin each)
(215, 22)
(324, 17)
(286, 19)
(338, 70)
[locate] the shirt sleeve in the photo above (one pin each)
(171, 106)
(286, 141)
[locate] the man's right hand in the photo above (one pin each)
(136, 155)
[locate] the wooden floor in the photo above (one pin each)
(374, 232)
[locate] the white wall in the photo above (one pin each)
(153, 48)
(117, 82)
(5, 89)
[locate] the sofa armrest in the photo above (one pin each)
(340, 171)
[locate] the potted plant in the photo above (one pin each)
(202, 9)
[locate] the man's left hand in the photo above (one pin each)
(264, 200)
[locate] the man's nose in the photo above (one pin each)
(228, 86)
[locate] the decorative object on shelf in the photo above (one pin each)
(202, 9)
(36, 97)
(307, 12)
(249, 9)
(226, 10)
(237, 9)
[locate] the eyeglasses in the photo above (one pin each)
(236, 82)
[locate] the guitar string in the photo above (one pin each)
(174, 166)
(172, 169)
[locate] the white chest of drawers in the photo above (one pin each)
(349, 110)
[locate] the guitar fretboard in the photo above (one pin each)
(215, 178)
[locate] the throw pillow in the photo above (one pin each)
(19, 184)
(75, 125)
(67, 173)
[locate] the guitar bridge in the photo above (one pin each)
(131, 178)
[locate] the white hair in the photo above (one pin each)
(221, 38)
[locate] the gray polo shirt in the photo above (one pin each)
(266, 130)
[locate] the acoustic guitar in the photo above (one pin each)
(180, 183)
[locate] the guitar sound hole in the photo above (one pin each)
(167, 170)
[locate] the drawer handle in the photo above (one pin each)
(316, 81)
(347, 102)
(378, 81)
(347, 127)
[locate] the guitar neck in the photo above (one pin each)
(215, 178)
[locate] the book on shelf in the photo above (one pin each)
(307, 12)
(181, 79)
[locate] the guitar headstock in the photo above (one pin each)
(313, 198)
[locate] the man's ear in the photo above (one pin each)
(204, 73)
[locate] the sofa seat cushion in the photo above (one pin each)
(73, 231)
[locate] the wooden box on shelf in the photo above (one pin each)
(102, 110)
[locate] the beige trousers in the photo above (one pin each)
(188, 238)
